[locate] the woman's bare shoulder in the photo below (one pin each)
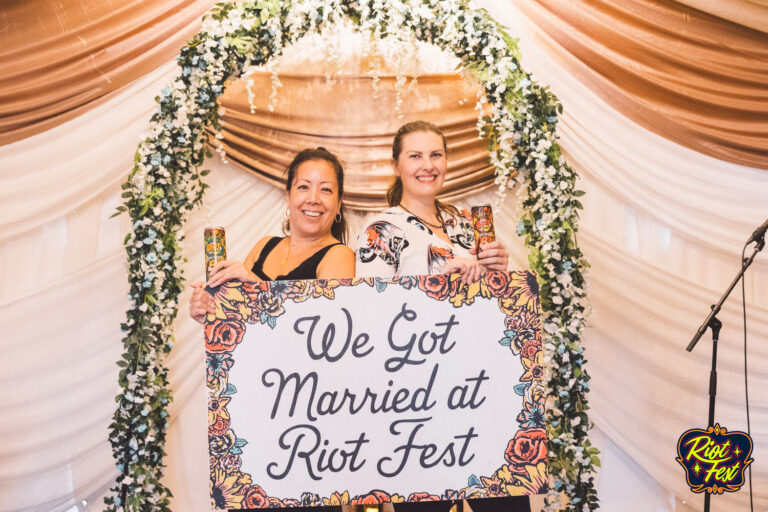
(338, 262)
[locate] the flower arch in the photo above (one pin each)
(165, 184)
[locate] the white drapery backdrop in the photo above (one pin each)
(663, 227)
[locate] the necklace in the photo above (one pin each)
(433, 226)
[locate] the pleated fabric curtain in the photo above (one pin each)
(356, 123)
(666, 214)
(687, 75)
(59, 59)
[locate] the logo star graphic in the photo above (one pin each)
(696, 469)
(737, 452)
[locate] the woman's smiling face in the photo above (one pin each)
(313, 199)
(421, 165)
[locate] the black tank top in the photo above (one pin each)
(306, 270)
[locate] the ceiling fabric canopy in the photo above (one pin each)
(60, 58)
(687, 75)
(693, 71)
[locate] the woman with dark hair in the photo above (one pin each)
(419, 235)
(315, 228)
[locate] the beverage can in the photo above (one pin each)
(215, 248)
(482, 223)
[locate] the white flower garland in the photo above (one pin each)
(165, 185)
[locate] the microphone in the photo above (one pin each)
(759, 233)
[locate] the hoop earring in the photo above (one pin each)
(338, 217)
(288, 213)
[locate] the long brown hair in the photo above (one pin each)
(339, 227)
(395, 190)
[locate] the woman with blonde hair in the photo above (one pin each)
(418, 234)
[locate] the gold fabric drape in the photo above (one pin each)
(750, 13)
(689, 76)
(60, 58)
(694, 71)
(348, 117)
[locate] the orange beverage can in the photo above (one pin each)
(215, 248)
(482, 223)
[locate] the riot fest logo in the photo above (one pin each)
(714, 459)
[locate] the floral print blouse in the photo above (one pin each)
(396, 243)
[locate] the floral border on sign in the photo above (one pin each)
(237, 304)
(165, 184)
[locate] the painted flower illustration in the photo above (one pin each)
(530, 348)
(462, 293)
(532, 415)
(224, 489)
(218, 416)
(271, 304)
(534, 368)
(298, 291)
(524, 292)
(423, 496)
(216, 368)
(309, 499)
(436, 286)
(221, 444)
(494, 486)
(231, 301)
(527, 447)
(520, 327)
(224, 335)
(523, 318)
(407, 282)
(324, 288)
(497, 283)
(253, 288)
(254, 497)
(535, 479)
(372, 498)
(536, 392)
(230, 462)
(336, 499)
(451, 494)
(510, 485)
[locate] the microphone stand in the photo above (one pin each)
(713, 323)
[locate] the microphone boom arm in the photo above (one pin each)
(716, 307)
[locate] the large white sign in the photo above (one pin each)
(324, 392)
